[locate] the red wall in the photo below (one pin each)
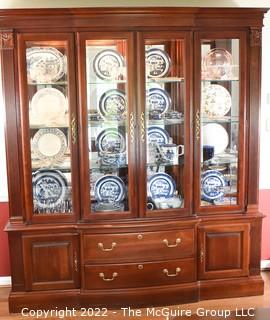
(264, 205)
(4, 257)
(264, 208)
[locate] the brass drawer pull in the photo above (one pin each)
(102, 276)
(101, 246)
(177, 242)
(177, 271)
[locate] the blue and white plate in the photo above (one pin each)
(49, 188)
(212, 185)
(111, 140)
(157, 135)
(160, 185)
(108, 64)
(157, 63)
(158, 101)
(110, 188)
(112, 103)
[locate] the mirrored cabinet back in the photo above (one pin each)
(132, 151)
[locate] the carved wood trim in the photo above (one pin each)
(255, 37)
(6, 39)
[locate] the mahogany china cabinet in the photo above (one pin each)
(132, 152)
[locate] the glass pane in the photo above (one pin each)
(165, 107)
(49, 126)
(219, 121)
(107, 124)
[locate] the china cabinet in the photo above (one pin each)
(132, 151)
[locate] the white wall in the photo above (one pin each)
(131, 3)
(265, 108)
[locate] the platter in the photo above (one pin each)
(49, 144)
(158, 101)
(157, 135)
(160, 185)
(111, 140)
(217, 64)
(110, 189)
(215, 135)
(212, 185)
(112, 103)
(49, 188)
(45, 64)
(216, 100)
(108, 64)
(157, 63)
(48, 104)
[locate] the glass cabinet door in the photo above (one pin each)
(108, 122)
(49, 125)
(165, 157)
(219, 122)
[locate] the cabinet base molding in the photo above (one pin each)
(137, 297)
(231, 288)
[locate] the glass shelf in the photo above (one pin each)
(220, 80)
(106, 82)
(164, 80)
(41, 126)
(60, 83)
(98, 123)
(225, 119)
(166, 121)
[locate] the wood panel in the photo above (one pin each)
(51, 261)
(224, 251)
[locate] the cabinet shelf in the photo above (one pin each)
(225, 119)
(164, 80)
(60, 83)
(106, 82)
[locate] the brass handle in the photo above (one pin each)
(142, 127)
(101, 246)
(102, 276)
(177, 242)
(73, 129)
(177, 271)
(131, 127)
(75, 262)
(198, 125)
(201, 255)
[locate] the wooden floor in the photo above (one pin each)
(258, 302)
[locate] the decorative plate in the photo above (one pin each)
(45, 64)
(212, 185)
(48, 104)
(215, 135)
(160, 185)
(49, 144)
(217, 64)
(110, 189)
(108, 64)
(112, 103)
(49, 188)
(111, 140)
(158, 100)
(157, 63)
(216, 100)
(157, 135)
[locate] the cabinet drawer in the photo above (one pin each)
(139, 247)
(139, 275)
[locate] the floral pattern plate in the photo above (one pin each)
(110, 188)
(212, 185)
(157, 63)
(112, 103)
(216, 100)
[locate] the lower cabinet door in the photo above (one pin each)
(223, 251)
(51, 261)
(145, 274)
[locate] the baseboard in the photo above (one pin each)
(265, 264)
(5, 281)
